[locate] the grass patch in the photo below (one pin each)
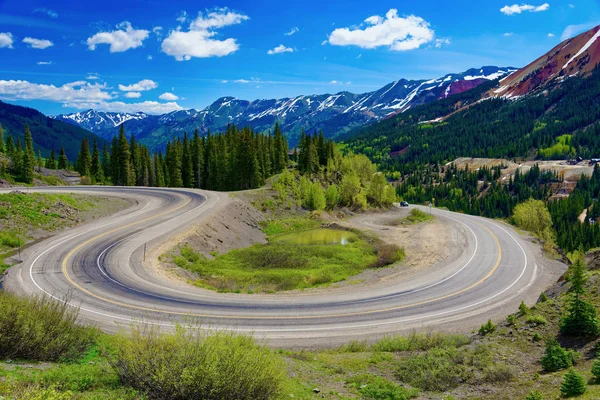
(279, 265)
(416, 216)
(419, 342)
(289, 225)
(373, 387)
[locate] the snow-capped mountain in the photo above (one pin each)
(575, 56)
(332, 113)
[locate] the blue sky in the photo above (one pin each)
(159, 56)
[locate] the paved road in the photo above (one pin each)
(99, 267)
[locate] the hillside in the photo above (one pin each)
(48, 133)
(555, 119)
(335, 114)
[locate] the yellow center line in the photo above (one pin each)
(140, 308)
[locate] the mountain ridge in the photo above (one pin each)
(335, 113)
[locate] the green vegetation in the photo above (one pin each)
(557, 357)
(561, 149)
(582, 318)
(373, 387)
(289, 225)
(189, 364)
(573, 384)
(279, 265)
(416, 216)
(486, 328)
(41, 329)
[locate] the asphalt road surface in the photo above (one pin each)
(99, 267)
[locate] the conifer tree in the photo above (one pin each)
(125, 176)
(63, 162)
(84, 159)
(40, 162)
(115, 171)
(2, 149)
(573, 384)
(28, 163)
(51, 161)
(96, 167)
(582, 318)
(134, 162)
(197, 159)
(187, 166)
(106, 171)
(10, 146)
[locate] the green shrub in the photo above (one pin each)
(354, 346)
(190, 364)
(523, 309)
(534, 395)
(420, 342)
(573, 384)
(486, 328)
(443, 369)
(536, 337)
(536, 320)
(557, 357)
(511, 319)
(498, 373)
(372, 387)
(10, 239)
(543, 297)
(596, 370)
(41, 329)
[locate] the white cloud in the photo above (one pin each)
(551, 35)
(324, 42)
(122, 39)
(44, 63)
(141, 86)
(48, 12)
(6, 40)
(69, 92)
(358, 56)
(397, 33)
(242, 81)
(149, 57)
(81, 95)
(335, 82)
(38, 43)
(148, 107)
(133, 95)
(183, 16)
(280, 49)
(198, 41)
(439, 43)
(508, 34)
(518, 9)
(168, 97)
(574, 30)
(292, 31)
(92, 77)
(224, 81)
(571, 5)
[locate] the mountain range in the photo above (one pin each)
(334, 114)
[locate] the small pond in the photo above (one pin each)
(318, 236)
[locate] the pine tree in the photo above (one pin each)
(51, 161)
(114, 161)
(2, 149)
(84, 159)
(582, 318)
(135, 173)
(573, 384)
(63, 162)
(125, 176)
(106, 171)
(10, 146)
(96, 167)
(198, 159)
(28, 163)
(187, 166)
(40, 162)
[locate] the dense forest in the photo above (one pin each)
(496, 128)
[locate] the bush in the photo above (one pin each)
(443, 369)
(573, 384)
(557, 357)
(533, 215)
(498, 373)
(486, 328)
(536, 320)
(41, 329)
(537, 337)
(582, 319)
(543, 297)
(190, 364)
(596, 370)
(374, 387)
(511, 319)
(523, 309)
(534, 395)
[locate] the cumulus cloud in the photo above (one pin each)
(518, 9)
(168, 97)
(38, 43)
(6, 40)
(69, 92)
(397, 33)
(244, 81)
(280, 49)
(292, 31)
(133, 95)
(198, 41)
(92, 77)
(124, 38)
(44, 62)
(574, 30)
(141, 86)
(508, 34)
(551, 35)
